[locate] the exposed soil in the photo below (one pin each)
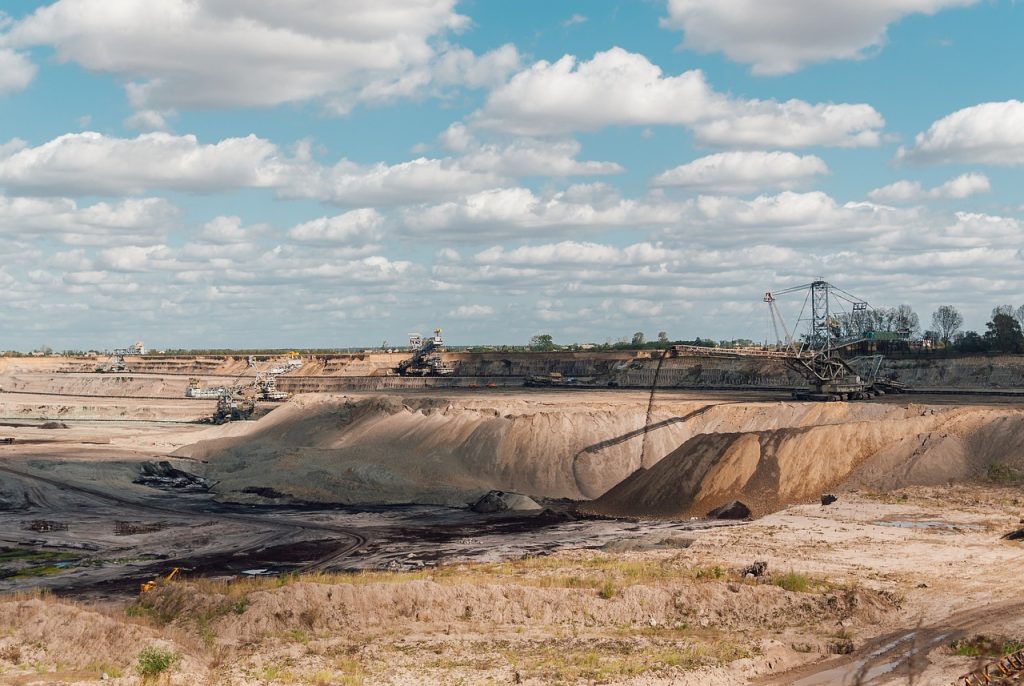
(904, 577)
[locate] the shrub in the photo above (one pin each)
(607, 590)
(154, 661)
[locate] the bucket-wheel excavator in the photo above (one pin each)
(426, 358)
(835, 321)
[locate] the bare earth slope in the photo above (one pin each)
(769, 469)
(449, 449)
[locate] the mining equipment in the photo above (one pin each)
(113, 365)
(148, 586)
(835, 321)
(426, 358)
(231, 408)
(998, 672)
(265, 383)
(195, 390)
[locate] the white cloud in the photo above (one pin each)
(615, 87)
(224, 53)
(518, 211)
(226, 230)
(989, 133)
(478, 167)
(744, 172)
(354, 227)
(143, 221)
(459, 66)
(147, 120)
(471, 312)
(785, 35)
(958, 188)
(574, 19)
(95, 164)
(573, 252)
(620, 88)
(16, 71)
(91, 163)
(792, 124)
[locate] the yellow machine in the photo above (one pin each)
(150, 585)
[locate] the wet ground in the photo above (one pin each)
(90, 532)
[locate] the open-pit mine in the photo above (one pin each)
(595, 517)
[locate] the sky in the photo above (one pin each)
(334, 173)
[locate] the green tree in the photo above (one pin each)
(638, 338)
(1004, 334)
(971, 342)
(947, 321)
(542, 343)
(662, 337)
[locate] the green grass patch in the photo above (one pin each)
(985, 646)
(793, 581)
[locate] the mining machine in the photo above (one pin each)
(113, 365)
(426, 358)
(835, 321)
(266, 383)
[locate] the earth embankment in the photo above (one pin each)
(698, 452)
(767, 470)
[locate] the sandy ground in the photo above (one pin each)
(905, 579)
(915, 571)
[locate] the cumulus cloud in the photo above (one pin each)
(620, 88)
(574, 252)
(963, 186)
(989, 133)
(144, 220)
(519, 211)
(223, 53)
(91, 163)
(744, 172)
(471, 312)
(785, 35)
(16, 71)
(147, 120)
(95, 164)
(355, 227)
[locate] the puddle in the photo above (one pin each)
(859, 672)
(932, 524)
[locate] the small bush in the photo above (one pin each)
(793, 581)
(154, 661)
(607, 590)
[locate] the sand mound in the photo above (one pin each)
(451, 450)
(769, 469)
(47, 630)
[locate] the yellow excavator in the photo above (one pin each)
(150, 585)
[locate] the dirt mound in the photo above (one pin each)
(769, 469)
(450, 450)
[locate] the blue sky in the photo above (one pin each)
(208, 173)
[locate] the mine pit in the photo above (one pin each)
(874, 527)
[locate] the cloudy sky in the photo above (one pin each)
(243, 173)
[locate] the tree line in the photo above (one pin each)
(1004, 332)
